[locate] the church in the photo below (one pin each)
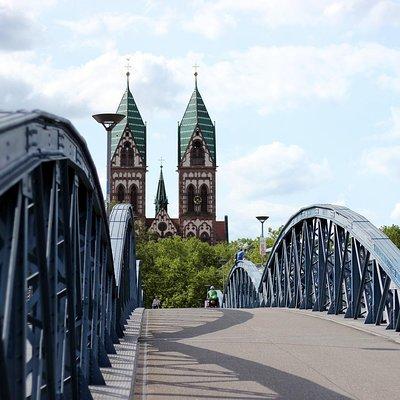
(197, 167)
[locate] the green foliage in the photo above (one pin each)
(393, 232)
(252, 246)
(179, 271)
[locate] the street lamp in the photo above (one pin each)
(263, 247)
(108, 121)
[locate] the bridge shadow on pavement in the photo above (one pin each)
(175, 363)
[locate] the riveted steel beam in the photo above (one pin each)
(60, 287)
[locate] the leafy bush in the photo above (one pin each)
(179, 270)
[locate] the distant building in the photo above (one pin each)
(196, 167)
(128, 161)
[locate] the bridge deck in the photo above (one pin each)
(261, 353)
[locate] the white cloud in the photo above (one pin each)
(395, 214)
(274, 169)
(382, 160)
(270, 78)
(392, 126)
(19, 31)
(94, 86)
(31, 7)
(242, 221)
(114, 22)
(360, 15)
(268, 172)
(210, 20)
(264, 78)
(382, 13)
(215, 18)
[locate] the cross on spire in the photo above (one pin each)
(195, 66)
(128, 67)
(161, 162)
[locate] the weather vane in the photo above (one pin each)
(161, 162)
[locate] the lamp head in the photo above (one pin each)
(108, 120)
(262, 218)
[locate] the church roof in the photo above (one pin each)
(196, 114)
(133, 120)
(161, 200)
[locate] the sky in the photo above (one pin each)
(305, 94)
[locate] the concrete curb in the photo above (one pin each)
(120, 377)
(140, 313)
(376, 330)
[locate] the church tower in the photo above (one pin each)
(162, 225)
(128, 161)
(197, 169)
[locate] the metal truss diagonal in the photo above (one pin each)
(65, 289)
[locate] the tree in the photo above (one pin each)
(252, 246)
(393, 233)
(179, 270)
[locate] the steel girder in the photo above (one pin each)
(61, 306)
(329, 258)
(124, 253)
(241, 289)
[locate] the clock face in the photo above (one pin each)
(197, 200)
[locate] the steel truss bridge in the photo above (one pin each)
(69, 277)
(327, 258)
(68, 274)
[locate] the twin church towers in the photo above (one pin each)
(196, 167)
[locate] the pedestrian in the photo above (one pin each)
(156, 303)
(239, 255)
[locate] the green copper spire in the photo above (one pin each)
(196, 114)
(133, 121)
(161, 200)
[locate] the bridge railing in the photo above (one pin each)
(327, 258)
(63, 300)
(241, 289)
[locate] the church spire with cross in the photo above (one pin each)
(128, 154)
(133, 120)
(161, 200)
(196, 117)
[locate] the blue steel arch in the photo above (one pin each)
(62, 298)
(127, 276)
(329, 258)
(241, 289)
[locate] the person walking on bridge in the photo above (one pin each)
(156, 303)
(239, 255)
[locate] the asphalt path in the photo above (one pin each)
(261, 354)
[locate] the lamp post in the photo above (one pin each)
(109, 121)
(262, 219)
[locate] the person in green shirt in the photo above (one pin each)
(212, 297)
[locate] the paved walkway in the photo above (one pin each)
(119, 377)
(261, 354)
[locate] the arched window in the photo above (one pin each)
(120, 194)
(205, 237)
(134, 197)
(204, 198)
(190, 198)
(197, 155)
(127, 155)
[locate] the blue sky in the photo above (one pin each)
(305, 94)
